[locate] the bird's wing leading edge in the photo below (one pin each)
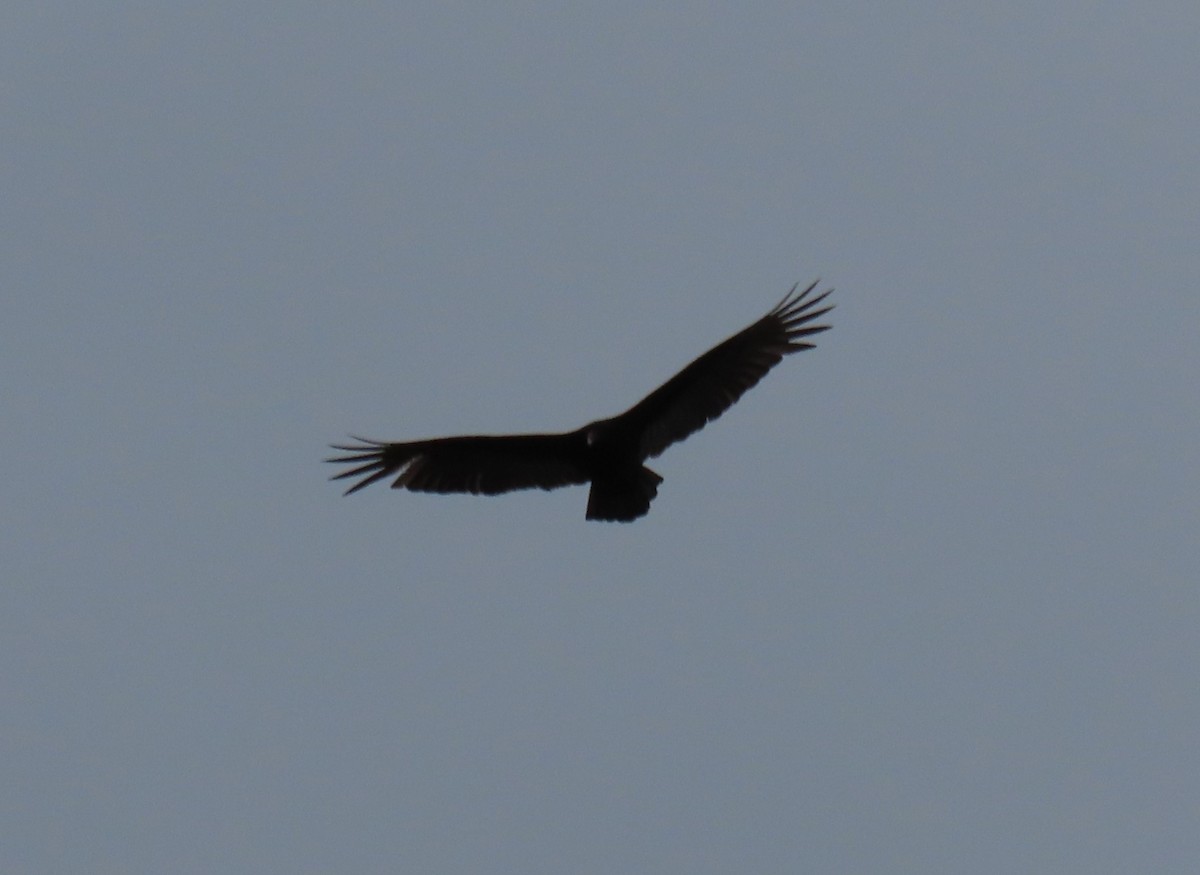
(480, 464)
(711, 384)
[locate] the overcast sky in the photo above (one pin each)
(925, 601)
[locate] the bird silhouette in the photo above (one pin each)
(608, 453)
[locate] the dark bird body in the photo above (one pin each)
(608, 453)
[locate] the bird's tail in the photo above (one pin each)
(623, 498)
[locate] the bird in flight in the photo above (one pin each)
(608, 453)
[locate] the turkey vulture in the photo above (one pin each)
(609, 452)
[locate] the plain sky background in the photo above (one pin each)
(925, 601)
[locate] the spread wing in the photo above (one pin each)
(712, 383)
(481, 464)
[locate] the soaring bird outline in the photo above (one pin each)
(608, 453)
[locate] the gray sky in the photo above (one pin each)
(924, 602)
